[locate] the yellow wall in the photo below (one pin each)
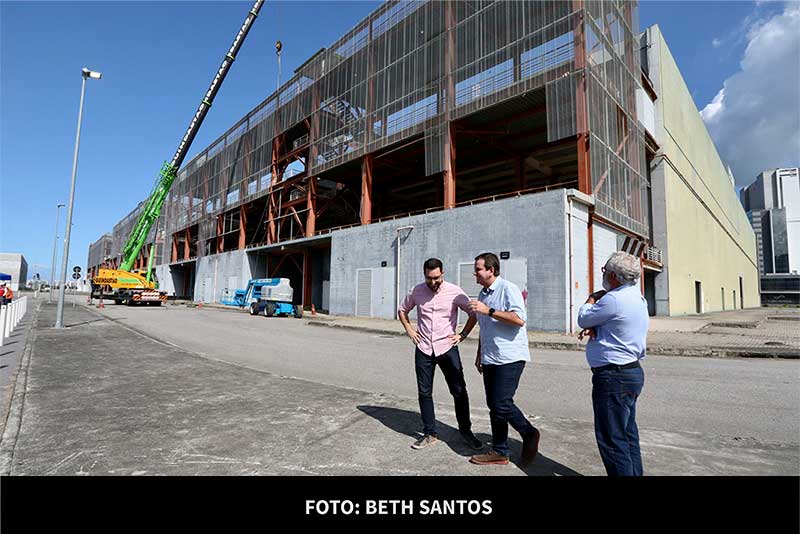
(708, 235)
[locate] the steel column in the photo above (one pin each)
(366, 189)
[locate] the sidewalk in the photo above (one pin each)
(99, 398)
(756, 333)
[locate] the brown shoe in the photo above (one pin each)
(491, 458)
(530, 447)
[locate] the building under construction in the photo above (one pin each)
(441, 129)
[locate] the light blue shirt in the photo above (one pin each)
(503, 343)
(620, 319)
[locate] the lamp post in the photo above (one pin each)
(55, 253)
(85, 73)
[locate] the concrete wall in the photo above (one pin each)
(165, 282)
(15, 265)
(219, 275)
(531, 227)
(699, 223)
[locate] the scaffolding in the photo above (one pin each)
(420, 74)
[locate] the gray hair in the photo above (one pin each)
(625, 266)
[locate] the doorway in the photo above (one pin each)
(698, 296)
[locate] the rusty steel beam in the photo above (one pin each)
(311, 207)
(272, 203)
(449, 174)
(366, 189)
(242, 227)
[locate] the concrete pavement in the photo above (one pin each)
(101, 398)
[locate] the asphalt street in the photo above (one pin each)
(742, 398)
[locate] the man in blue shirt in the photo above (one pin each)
(502, 353)
(616, 321)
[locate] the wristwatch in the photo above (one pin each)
(491, 311)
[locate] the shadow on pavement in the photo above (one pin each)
(408, 423)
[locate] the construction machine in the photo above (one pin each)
(126, 286)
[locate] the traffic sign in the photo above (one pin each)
(76, 269)
(76, 276)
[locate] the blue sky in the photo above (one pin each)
(157, 59)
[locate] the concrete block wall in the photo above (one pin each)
(165, 282)
(219, 273)
(530, 226)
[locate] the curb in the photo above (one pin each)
(8, 440)
(792, 354)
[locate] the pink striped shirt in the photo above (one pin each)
(437, 315)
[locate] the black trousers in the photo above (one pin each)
(450, 364)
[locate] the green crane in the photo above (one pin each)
(152, 208)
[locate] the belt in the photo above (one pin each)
(615, 367)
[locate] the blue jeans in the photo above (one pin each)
(450, 364)
(500, 383)
(614, 394)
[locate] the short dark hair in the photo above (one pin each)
(490, 261)
(431, 264)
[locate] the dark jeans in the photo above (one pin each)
(614, 394)
(500, 382)
(450, 364)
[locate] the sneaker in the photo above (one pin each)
(491, 458)
(424, 441)
(470, 439)
(530, 447)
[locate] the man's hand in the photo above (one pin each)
(594, 297)
(590, 332)
(455, 339)
(478, 364)
(413, 334)
(477, 306)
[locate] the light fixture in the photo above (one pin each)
(91, 74)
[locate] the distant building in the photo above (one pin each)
(772, 203)
(17, 267)
(100, 253)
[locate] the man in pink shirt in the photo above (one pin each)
(436, 342)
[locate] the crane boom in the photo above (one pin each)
(169, 170)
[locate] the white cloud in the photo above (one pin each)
(716, 43)
(714, 107)
(755, 118)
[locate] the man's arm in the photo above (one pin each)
(410, 330)
(594, 313)
(478, 364)
(509, 317)
(462, 301)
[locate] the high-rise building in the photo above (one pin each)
(772, 203)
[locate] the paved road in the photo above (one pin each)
(742, 398)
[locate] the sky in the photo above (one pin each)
(158, 58)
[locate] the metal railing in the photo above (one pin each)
(653, 254)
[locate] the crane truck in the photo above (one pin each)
(129, 286)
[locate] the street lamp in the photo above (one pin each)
(55, 253)
(85, 73)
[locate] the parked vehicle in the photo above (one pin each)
(250, 294)
(276, 299)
